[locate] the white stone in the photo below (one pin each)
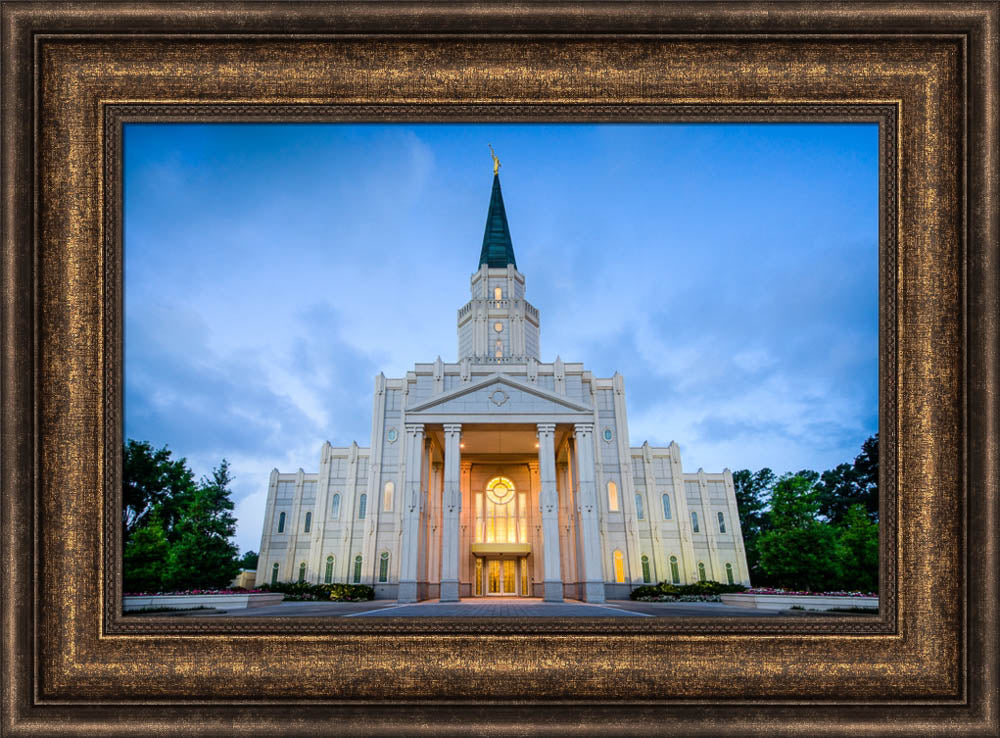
(457, 425)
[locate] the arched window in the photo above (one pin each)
(675, 575)
(722, 524)
(729, 573)
(383, 567)
(335, 511)
(362, 504)
(387, 496)
(497, 293)
(639, 512)
(619, 566)
(274, 574)
(357, 569)
(645, 569)
(701, 571)
(501, 513)
(302, 572)
(694, 521)
(666, 507)
(308, 525)
(281, 523)
(612, 496)
(328, 576)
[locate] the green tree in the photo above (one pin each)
(203, 555)
(859, 551)
(248, 561)
(152, 480)
(753, 490)
(144, 557)
(847, 485)
(799, 551)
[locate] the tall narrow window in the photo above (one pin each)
(274, 574)
(479, 576)
(701, 571)
(694, 521)
(357, 569)
(281, 523)
(308, 525)
(619, 566)
(335, 509)
(639, 512)
(666, 507)
(729, 573)
(645, 569)
(387, 496)
(383, 567)
(675, 575)
(328, 576)
(497, 293)
(722, 523)
(362, 504)
(302, 572)
(612, 497)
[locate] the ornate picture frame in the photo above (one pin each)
(74, 74)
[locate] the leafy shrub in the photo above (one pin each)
(306, 592)
(665, 591)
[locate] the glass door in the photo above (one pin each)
(493, 577)
(509, 577)
(501, 577)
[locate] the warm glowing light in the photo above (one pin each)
(461, 445)
(536, 445)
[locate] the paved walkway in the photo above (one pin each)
(507, 607)
(481, 607)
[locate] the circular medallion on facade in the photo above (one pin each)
(608, 435)
(498, 397)
(391, 435)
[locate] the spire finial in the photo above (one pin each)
(496, 161)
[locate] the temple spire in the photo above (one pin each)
(498, 251)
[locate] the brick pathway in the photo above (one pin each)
(507, 607)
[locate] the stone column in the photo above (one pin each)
(548, 500)
(590, 539)
(412, 493)
(450, 513)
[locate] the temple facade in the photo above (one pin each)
(500, 475)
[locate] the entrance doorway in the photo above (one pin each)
(506, 577)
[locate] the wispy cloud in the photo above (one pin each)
(728, 272)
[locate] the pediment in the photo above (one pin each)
(499, 394)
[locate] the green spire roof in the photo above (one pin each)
(497, 251)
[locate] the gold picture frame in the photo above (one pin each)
(73, 74)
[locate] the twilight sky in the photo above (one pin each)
(729, 272)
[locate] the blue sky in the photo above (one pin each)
(729, 272)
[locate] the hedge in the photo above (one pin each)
(683, 590)
(304, 591)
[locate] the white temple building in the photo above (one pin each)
(499, 474)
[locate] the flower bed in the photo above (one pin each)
(793, 592)
(229, 591)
